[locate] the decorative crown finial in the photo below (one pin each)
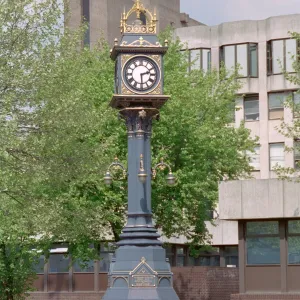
(138, 27)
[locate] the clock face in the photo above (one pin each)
(141, 74)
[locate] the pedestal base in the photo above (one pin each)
(140, 273)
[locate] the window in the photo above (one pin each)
(59, 263)
(200, 59)
(296, 99)
(251, 108)
(263, 243)
(206, 259)
(276, 155)
(297, 154)
(83, 267)
(180, 257)
(254, 158)
(281, 55)
(294, 242)
(38, 266)
(276, 105)
(106, 254)
(85, 4)
(231, 254)
(244, 55)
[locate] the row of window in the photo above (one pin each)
(59, 260)
(263, 242)
(281, 55)
(276, 156)
(275, 105)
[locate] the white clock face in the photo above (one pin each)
(141, 74)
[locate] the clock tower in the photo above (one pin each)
(140, 269)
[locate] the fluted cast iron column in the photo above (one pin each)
(140, 269)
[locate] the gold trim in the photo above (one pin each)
(143, 262)
(114, 278)
(126, 89)
(139, 9)
(141, 42)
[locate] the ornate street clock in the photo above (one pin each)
(140, 269)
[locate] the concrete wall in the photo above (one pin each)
(259, 199)
(105, 16)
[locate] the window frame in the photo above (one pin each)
(270, 55)
(247, 153)
(278, 92)
(222, 58)
(283, 143)
(288, 234)
(297, 141)
(201, 58)
(265, 235)
(247, 98)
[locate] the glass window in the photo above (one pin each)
(86, 18)
(263, 250)
(296, 99)
(253, 60)
(294, 226)
(229, 57)
(206, 59)
(195, 59)
(290, 54)
(276, 105)
(231, 254)
(59, 263)
(39, 265)
(277, 51)
(107, 252)
(262, 228)
(200, 59)
(83, 267)
(242, 59)
(276, 155)
(180, 257)
(294, 242)
(251, 108)
(281, 55)
(297, 154)
(244, 56)
(263, 243)
(254, 158)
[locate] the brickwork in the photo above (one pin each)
(191, 283)
(265, 297)
(205, 283)
(66, 296)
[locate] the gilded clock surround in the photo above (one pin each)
(156, 90)
(138, 8)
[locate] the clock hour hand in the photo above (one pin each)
(142, 75)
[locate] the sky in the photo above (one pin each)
(214, 12)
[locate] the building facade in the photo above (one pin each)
(262, 215)
(103, 16)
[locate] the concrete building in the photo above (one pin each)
(103, 16)
(261, 216)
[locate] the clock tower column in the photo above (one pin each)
(140, 269)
